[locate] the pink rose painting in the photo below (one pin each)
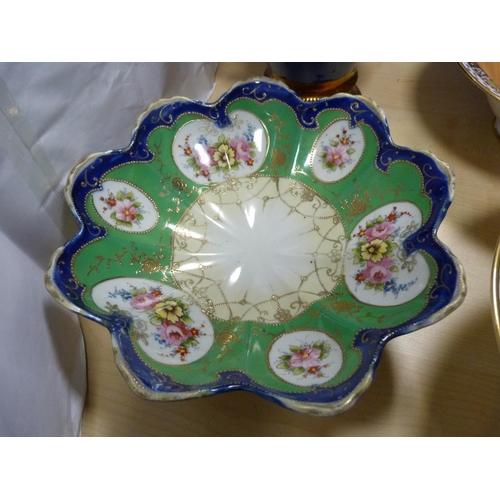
(379, 272)
(144, 301)
(380, 231)
(203, 156)
(305, 360)
(175, 330)
(242, 148)
(174, 333)
(221, 155)
(125, 208)
(338, 151)
(306, 357)
(336, 156)
(126, 211)
(375, 253)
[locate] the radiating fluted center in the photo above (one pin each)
(258, 249)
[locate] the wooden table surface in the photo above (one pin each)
(443, 380)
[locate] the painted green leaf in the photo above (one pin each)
(283, 366)
(323, 355)
(222, 138)
(139, 216)
(298, 370)
(120, 196)
(369, 286)
(370, 224)
(113, 215)
(294, 348)
(155, 320)
(394, 269)
(136, 204)
(317, 344)
(286, 357)
(186, 319)
(350, 151)
(335, 143)
(130, 196)
(379, 219)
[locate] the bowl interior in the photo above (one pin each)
(258, 243)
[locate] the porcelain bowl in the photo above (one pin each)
(486, 76)
(258, 243)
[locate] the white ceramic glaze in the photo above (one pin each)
(259, 249)
(378, 271)
(305, 358)
(254, 273)
(169, 327)
(125, 207)
(337, 151)
(205, 153)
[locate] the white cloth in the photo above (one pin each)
(52, 115)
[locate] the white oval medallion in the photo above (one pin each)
(125, 207)
(305, 358)
(337, 151)
(377, 269)
(206, 153)
(167, 325)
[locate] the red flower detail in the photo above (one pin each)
(188, 151)
(360, 277)
(314, 369)
(156, 291)
(249, 162)
(182, 351)
(111, 201)
(195, 332)
(392, 217)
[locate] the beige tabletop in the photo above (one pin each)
(439, 381)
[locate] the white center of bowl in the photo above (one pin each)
(258, 249)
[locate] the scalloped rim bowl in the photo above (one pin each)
(482, 80)
(259, 243)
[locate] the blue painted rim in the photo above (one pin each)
(445, 294)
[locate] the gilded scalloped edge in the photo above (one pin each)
(495, 93)
(316, 409)
(495, 292)
(319, 409)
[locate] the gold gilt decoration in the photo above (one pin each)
(258, 249)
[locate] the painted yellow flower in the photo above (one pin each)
(374, 250)
(224, 156)
(169, 310)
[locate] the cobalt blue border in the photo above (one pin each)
(370, 341)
